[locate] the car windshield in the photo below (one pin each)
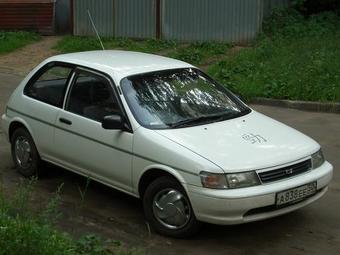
(179, 98)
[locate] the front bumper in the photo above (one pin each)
(235, 206)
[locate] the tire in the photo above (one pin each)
(172, 200)
(24, 153)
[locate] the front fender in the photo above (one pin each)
(180, 176)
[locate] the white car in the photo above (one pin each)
(162, 130)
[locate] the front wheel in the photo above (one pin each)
(168, 209)
(24, 153)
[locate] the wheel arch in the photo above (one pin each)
(15, 124)
(155, 171)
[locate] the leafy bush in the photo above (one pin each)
(290, 24)
(309, 7)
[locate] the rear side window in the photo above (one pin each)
(49, 85)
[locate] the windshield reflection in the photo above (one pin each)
(162, 99)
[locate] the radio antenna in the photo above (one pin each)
(95, 29)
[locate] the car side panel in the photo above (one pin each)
(38, 117)
(105, 155)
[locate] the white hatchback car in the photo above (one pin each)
(162, 130)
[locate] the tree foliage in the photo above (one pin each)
(309, 7)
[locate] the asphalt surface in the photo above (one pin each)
(314, 229)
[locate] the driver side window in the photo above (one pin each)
(91, 96)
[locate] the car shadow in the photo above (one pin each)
(113, 209)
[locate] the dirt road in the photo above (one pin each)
(24, 59)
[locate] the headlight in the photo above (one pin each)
(317, 159)
(213, 181)
(242, 180)
(231, 181)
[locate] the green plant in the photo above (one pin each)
(298, 4)
(198, 53)
(195, 53)
(20, 230)
(51, 213)
(93, 245)
(25, 231)
(19, 205)
(77, 43)
(83, 191)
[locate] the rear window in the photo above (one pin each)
(49, 85)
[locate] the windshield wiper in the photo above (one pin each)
(200, 119)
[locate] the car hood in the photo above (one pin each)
(251, 142)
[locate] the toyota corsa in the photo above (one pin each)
(161, 130)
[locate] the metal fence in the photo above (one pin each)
(135, 18)
(185, 20)
(203, 20)
(102, 13)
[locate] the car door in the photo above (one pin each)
(42, 100)
(82, 144)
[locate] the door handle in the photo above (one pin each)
(65, 121)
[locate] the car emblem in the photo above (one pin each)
(254, 138)
(289, 171)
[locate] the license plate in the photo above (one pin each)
(295, 194)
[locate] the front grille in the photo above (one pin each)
(285, 172)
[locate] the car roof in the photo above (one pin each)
(120, 63)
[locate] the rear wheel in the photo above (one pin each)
(168, 209)
(24, 153)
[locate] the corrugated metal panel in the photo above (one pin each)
(102, 13)
(186, 20)
(204, 20)
(63, 16)
(135, 18)
(27, 15)
(270, 5)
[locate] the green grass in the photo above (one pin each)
(77, 43)
(296, 58)
(10, 41)
(31, 231)
(25, 236)
(200, 53)
(194, 53)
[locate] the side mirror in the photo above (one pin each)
(113, 122)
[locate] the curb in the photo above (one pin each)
(300, 105)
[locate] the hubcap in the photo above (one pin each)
(23, 151)
(171, 208)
